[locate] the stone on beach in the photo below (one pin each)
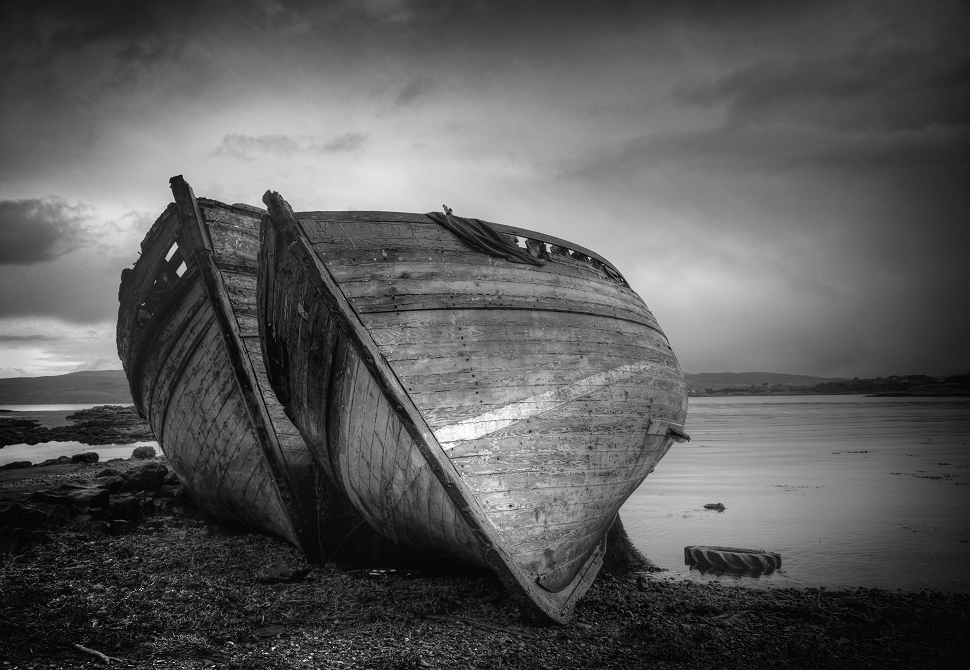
(143, 452)
(149, 475)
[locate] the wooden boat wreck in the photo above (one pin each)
(188, 340)
(491, 402)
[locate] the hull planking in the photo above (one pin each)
(497, 412)
(188, 340)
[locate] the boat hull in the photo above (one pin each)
(498, 412)
(188, 340)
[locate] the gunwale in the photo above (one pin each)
(410, 217)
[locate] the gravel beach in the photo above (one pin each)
(173, 591)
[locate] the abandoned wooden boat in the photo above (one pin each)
(487, 401)
(188, 340)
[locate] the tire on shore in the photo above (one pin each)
(732, 559)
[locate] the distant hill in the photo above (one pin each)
(101, 386)
(720, 380)
(770, 383)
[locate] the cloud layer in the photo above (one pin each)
(34, 231)
(784, 183)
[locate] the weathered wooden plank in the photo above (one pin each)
(310, 218)
(144, 336)
(518, 333)
(513, 486)
(406, 277)
(492, 357)
(626, 455)
(354, 262)
(166, 354)
(434, 275)
(494, 320)
(248, 324)
(497, 356)
(463, 406)
(536, 363)
(356, 226)
(320, 364)
(136, 283)
(240, 286)
(347, 425)
(218, 213)
(652, 403)
(367, 424)
(631, 388)
(403, 303)
(549, 513)
(380, 444)
(193, 385)
(194, 444)
(580, 538)
(467, 296)
(566, 449)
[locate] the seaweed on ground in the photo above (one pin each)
(178, 593)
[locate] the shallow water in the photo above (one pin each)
(51, 416)
(37, 453)
(850, 490)
(56, 408)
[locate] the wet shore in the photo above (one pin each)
(171, 590)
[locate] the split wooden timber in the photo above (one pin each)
(188, 340)
(498, 413)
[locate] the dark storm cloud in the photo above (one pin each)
(156, 30)
(892, 90)
(34, 231)
(80, 288)
(767, 150)
(883, 98)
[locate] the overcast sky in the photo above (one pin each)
(784, 183)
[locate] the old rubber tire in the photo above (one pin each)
(732, 558)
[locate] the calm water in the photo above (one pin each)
(37, 453)
(56, 415)
(56, 408)
(851, 491)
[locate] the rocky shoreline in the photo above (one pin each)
(127, 568)
(105, 424)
